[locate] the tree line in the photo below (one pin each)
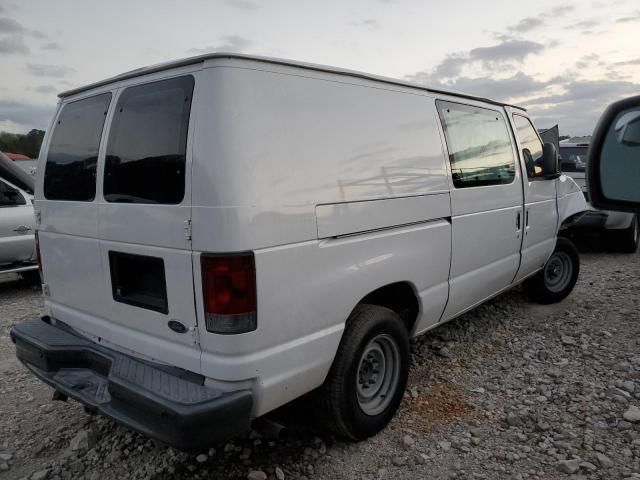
(27, 144)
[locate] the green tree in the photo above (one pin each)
(26, 144)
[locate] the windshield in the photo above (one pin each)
(573, 159)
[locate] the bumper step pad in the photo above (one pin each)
(166, 403)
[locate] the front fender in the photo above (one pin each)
(570, 199)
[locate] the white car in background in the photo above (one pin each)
(621, 228)
(17, 223)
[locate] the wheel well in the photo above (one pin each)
(399, 297)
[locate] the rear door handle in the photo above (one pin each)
(518, 222)
(22, 229)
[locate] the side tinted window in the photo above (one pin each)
(9, 196)
(70, 171)
(480, 150)
(531, 145)
(147, 143)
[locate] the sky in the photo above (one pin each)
(565, 62)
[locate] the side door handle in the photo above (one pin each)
(518, 222)
(22, 229)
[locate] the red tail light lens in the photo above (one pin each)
(229, 292)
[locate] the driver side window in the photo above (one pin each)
(9, 196)
(531, 146)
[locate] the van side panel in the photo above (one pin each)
(284, 166)
(272, 146)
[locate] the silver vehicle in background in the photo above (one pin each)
(621, 229)
(17, 223)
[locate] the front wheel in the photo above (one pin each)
(558, 276)
(369, 373)
(627, 240)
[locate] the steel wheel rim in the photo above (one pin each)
(378, 374)
(558, 272)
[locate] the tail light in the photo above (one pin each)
(229, 292)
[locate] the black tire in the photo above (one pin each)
(627, 240)
(558, 276)
(341, 394)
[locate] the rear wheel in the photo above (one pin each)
(627, 240)
(558, 276)
(369, 373)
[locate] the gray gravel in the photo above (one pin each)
(511, 390)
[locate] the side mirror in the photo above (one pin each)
(550, 165)
(614, 158)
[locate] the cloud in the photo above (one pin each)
(526, 25)
(504, 53)
(9, 25)
(46, 89)
(13, 45)
(587, 60)
(635, 61)
(560, 11)
(242, 4)
(516, 86)
(53, 71)
(370, 23)
(51, 46)
(579, 106)
(584, 24)
(568, 100)
(630, 18)
(227, 43)
(509, 50)
(26, 114)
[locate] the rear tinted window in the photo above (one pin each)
(147, 143)
(70, 171)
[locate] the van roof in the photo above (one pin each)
(277, 61)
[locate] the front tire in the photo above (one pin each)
(558, 276)
(627, 240)
(369, 374)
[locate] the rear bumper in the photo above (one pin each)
(165, 403)
(604, 219)
(591, 219)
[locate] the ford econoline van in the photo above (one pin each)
(223, 234)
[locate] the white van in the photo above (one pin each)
(223, 234)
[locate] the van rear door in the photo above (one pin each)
(135, 289)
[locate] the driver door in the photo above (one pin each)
(540, 209)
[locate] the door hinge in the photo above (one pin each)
(195, 335)
(187, 229)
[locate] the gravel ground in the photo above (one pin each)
(511, 390)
